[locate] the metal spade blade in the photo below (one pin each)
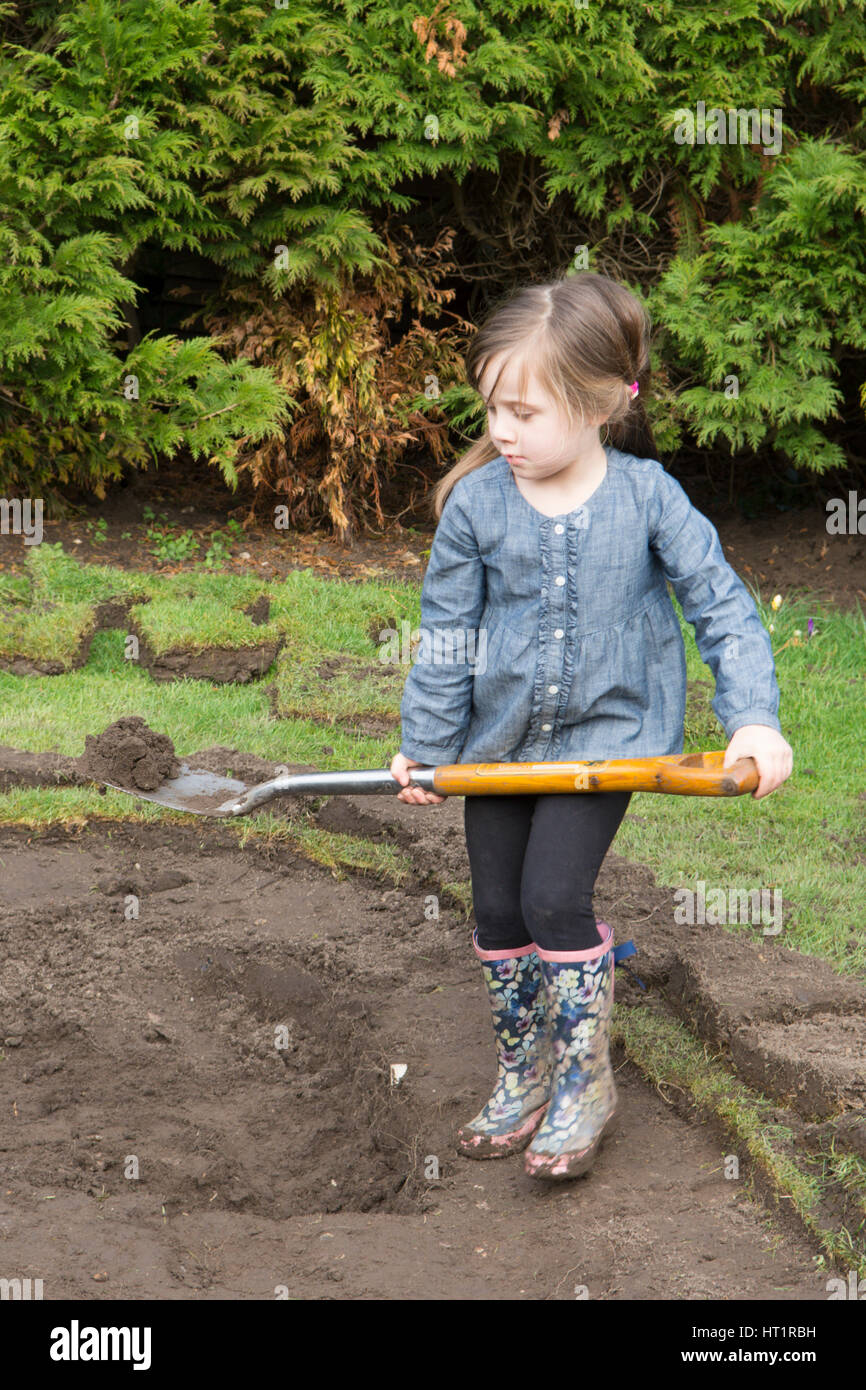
(203, 793)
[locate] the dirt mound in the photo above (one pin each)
(130, 754)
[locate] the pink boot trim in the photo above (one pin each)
(593, 953)
(501, 955)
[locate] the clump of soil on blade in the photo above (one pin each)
(130, 754)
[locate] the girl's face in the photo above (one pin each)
(532, 433)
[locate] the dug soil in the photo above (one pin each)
(198, 1098)
(129, 754)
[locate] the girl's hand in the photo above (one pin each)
(413, 796)
(773, 757)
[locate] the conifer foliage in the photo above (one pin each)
(343, 165)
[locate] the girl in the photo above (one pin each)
(547, 590)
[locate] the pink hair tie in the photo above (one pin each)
(634, 389)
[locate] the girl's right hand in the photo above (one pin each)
(413, 796)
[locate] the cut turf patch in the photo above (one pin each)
(49, 615)
(198, 625)
(206, 627)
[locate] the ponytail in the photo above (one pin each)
(634, 435)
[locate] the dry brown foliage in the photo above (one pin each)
(357, 382)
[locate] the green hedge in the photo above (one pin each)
(235, 129)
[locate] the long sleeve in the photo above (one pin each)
(730, 636)
(437, 697)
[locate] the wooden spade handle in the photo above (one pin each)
(693, 774)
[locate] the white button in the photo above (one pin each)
(559, 529)
(560, 579)
(547, 728)
(559, 632)
(552, 689)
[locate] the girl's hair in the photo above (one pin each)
(587, 339)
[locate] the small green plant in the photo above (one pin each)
(218, 552)
(235, 529)
(98, 529)
(171, 548)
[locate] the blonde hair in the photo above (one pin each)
(587, 339)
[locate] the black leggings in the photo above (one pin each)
(534, 862)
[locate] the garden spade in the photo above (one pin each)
(693, 774)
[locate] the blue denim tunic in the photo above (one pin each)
(548, 638)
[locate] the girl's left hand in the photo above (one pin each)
(772, 754)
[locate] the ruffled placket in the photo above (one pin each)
(560, 540)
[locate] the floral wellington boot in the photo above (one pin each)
(507, 1122)
(579, 989)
